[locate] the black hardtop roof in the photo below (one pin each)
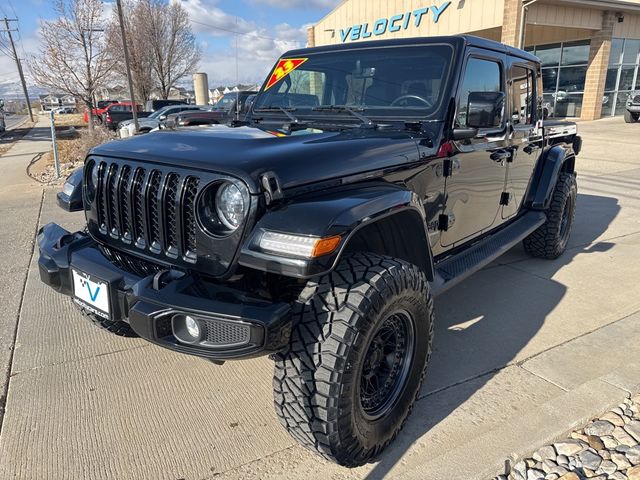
(455, 40)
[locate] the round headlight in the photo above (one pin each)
(230, 205)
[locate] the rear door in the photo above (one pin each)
(525, 136)
(478, 172)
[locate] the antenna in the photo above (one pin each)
(237, 76)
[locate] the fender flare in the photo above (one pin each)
(554, 160)
(344, 212)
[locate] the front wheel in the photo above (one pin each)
(359, 348)
(551, 238)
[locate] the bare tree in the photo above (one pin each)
(72, 57)
(171, 41)
(140, 55)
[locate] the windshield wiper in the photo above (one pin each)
(286, 111)
(366, 121)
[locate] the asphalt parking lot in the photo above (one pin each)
(525, 350)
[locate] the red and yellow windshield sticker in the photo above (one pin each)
(284, 67)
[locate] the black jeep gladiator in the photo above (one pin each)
(367, 179)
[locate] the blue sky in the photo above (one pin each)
(268, 27)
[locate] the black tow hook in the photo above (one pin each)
(164, 277)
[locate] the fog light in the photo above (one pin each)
(186, 329)
(192, 327)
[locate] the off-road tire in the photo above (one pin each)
(117, 327)
(317, 379)
(631, 117)
(550, 239)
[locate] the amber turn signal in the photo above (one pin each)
(325, 246)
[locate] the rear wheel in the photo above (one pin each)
(550, 240)
(630, 117)
(358, 352)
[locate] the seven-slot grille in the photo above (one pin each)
(147, 207)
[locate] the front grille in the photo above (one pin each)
(636, 99)
(226, 333)
(149, 208)
(131, 264)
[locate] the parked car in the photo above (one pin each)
(64, 110)
(117, 112)
(319, 230)
(632, 111)
(147, 124)
(222, 112)
(154, 105)
(98, 111)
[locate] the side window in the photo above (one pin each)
(522, 96)
(479, 76)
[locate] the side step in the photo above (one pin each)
(456, 268)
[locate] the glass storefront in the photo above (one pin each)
(564, 68)
(622, 75)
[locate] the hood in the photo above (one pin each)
(300, 158)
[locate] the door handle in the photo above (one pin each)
(529, 149)
(500, 155)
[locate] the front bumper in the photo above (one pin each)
(634, 108)
(235, 325)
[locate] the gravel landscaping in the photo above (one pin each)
(607, 448)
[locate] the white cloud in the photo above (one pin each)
(258, 47)
(256, 55)
(206, 17)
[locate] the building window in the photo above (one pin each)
(622, 75)
(564, 68)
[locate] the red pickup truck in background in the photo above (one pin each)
(98, 111)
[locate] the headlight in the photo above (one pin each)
(230, 205)
(223, 207)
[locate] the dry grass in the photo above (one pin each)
(70, 120)
(71, 152)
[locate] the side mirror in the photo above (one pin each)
(70, 198)
(485, 109)
(162, 117)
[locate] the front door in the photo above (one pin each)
(477, 174)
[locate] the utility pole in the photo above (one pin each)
(128, 68)
(15, 56)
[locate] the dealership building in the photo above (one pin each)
(590, 49)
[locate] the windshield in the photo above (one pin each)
(392, 81)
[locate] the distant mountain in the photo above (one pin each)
(12, 90)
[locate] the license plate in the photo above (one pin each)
(91, 293)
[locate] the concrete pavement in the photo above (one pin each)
(15, 121)
(525, 350)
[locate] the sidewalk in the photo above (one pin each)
(20, 200)
(525, 351)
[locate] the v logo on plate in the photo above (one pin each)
(93, 295)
